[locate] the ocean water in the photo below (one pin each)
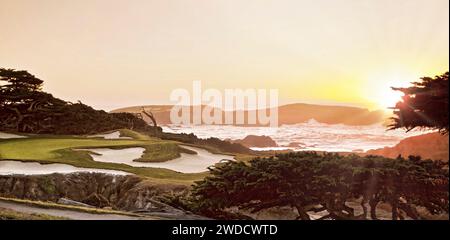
(310, 135)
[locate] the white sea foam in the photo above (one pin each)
(312, 135)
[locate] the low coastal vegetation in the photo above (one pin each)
(212, 144)
(163, 152)
(310, 183)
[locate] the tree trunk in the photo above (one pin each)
(150, 115)
(303, 215)
(410, 211)
(394, 210)
(364, 208)
(373, 208)
(348, 209)
(19, 119)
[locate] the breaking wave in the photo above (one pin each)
(310, 135)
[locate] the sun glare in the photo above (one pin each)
(381, 94)
(389, 98)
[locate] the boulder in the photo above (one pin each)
(257, 141)
(126, 193)
(295, 145)
(97, 200)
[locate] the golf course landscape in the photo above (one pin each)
(74, 150)
(117, 165)
(223, 110)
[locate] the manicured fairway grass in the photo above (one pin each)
(60, 149)
(135, 135)
(55, 148)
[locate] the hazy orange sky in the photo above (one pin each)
(112, 54)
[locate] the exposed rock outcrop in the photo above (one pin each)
(428, 146)
(257, 141)
(128, 193)
(295, 145)
(97, 200)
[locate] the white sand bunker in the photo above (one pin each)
(9, 136)
(34, 168)
(187, 163)
(113, 135)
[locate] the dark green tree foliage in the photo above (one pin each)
(224, 146)
(24, 107)
(312, 182)
(424, 105)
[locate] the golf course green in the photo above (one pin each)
(63, 149)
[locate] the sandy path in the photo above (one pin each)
(113, 135)
(10, 136)
(71, 214)
(35, 168)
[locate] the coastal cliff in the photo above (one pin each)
(428, 146)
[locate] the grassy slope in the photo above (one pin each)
(58, 149)
(135, 135)
(160, 152)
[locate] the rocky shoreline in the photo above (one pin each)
(125, 193)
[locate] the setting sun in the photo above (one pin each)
(379, 90)
(389, 98)
(224, 110)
